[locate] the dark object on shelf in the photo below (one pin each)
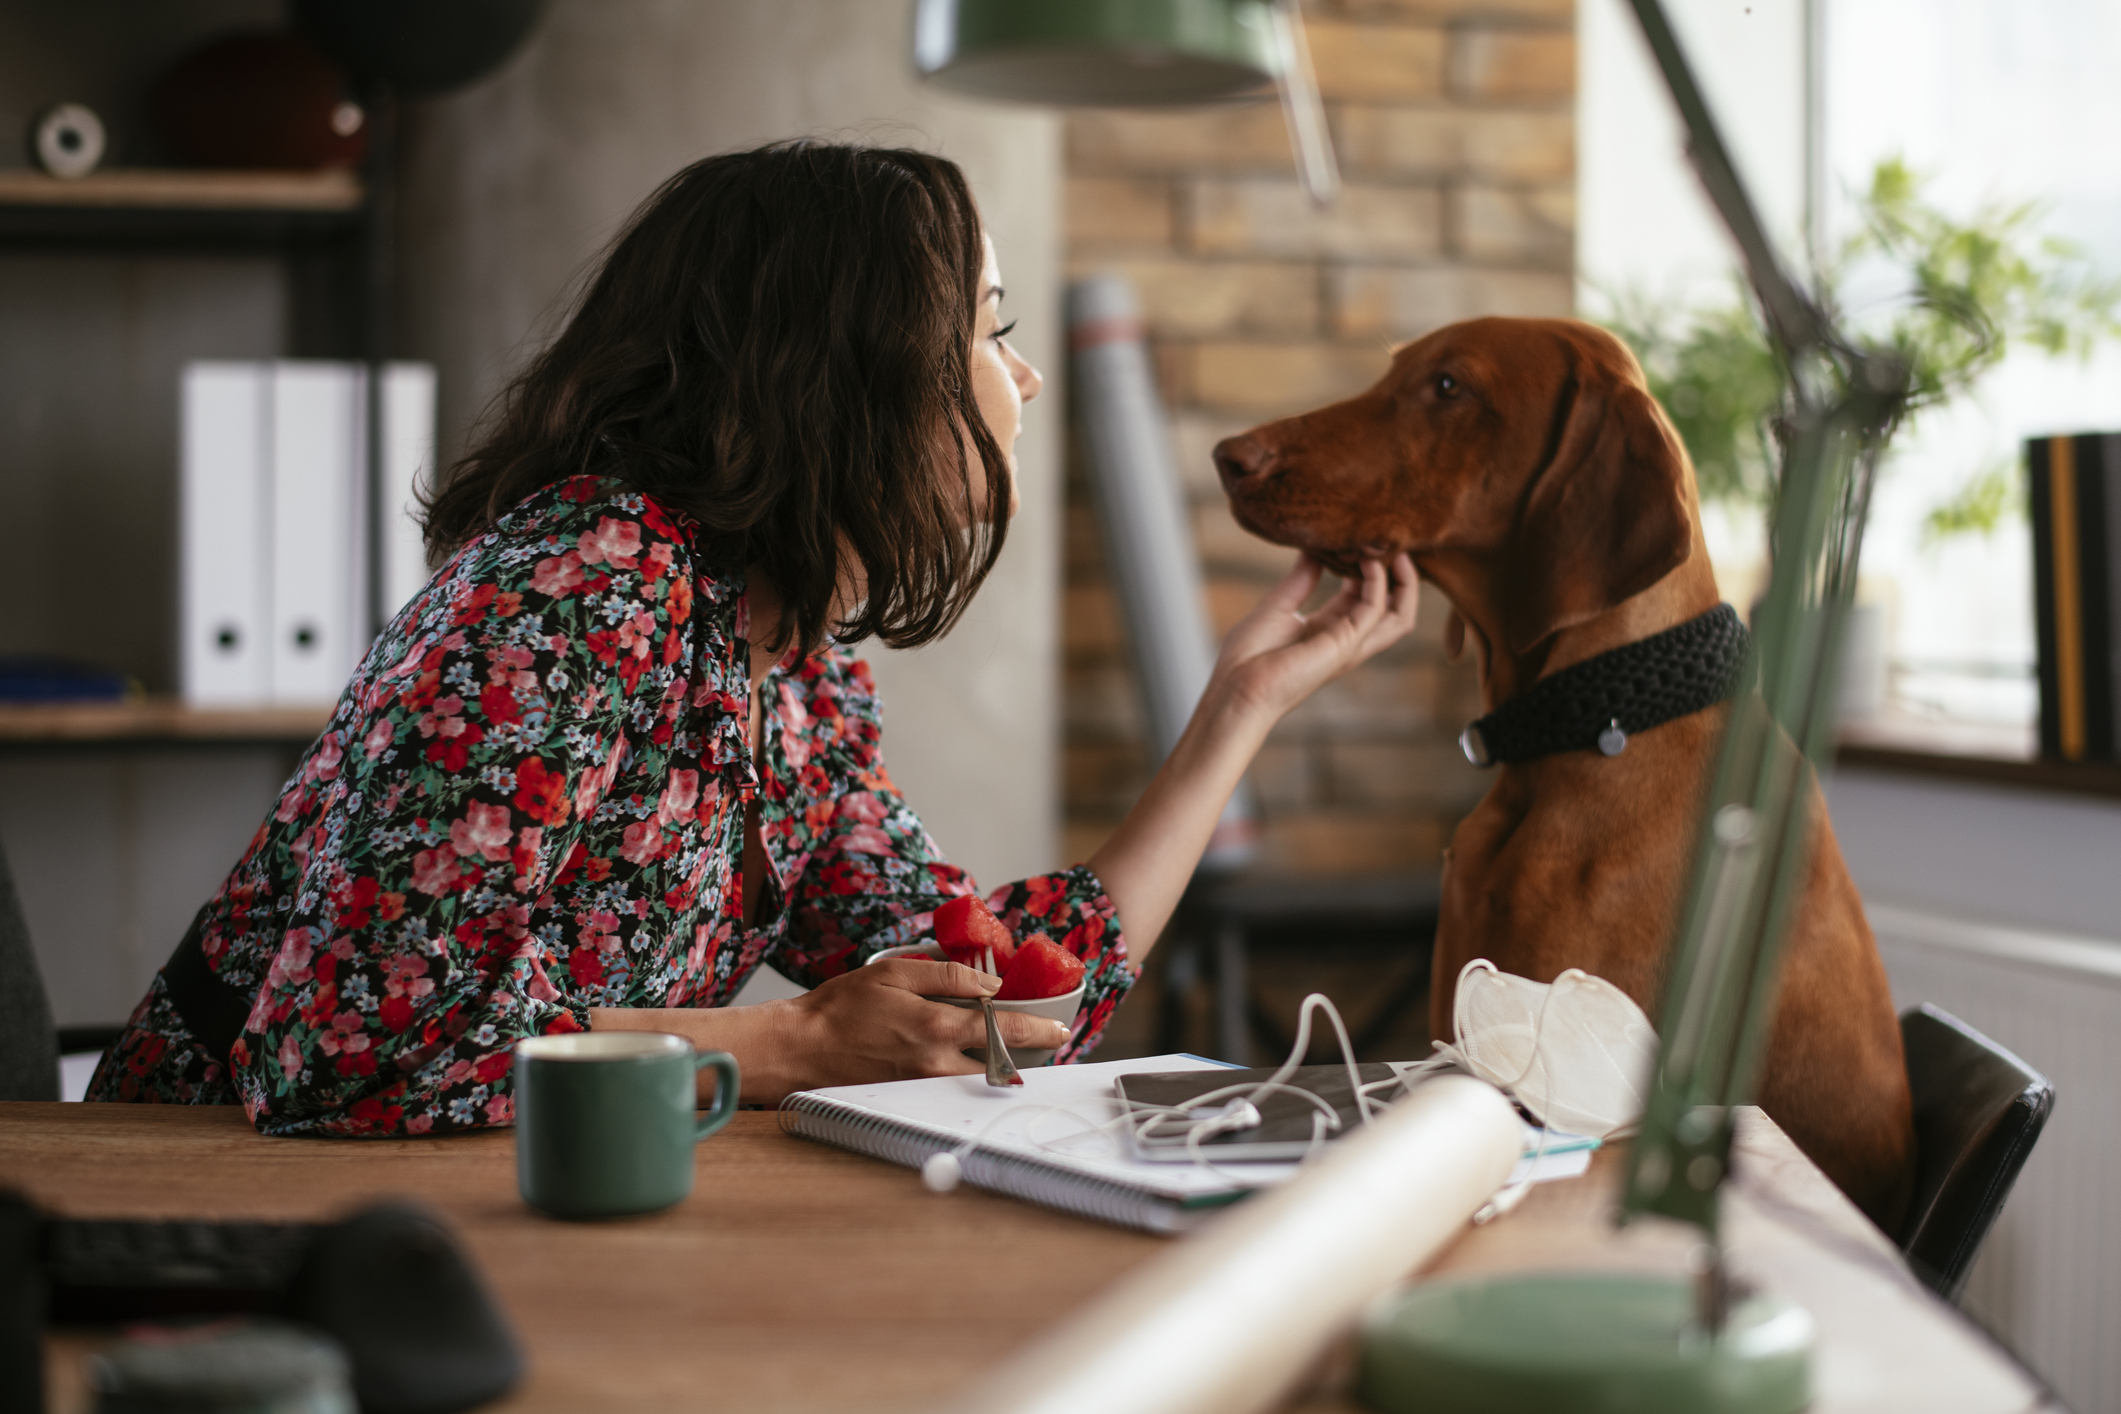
(389, 1284)
(66, 140)
(417, 47)
(40, 677)
(29, 1052)
(261, 100)
(1978, 1111)
(2076, 505)
(225, 1368)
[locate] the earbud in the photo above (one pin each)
(1238, 1114)
(942, 1172)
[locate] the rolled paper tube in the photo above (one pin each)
(1227, 1319)
(1147, 531)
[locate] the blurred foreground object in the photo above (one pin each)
(1227, 1320)
(260, 101)
(66, 140)
(250, 1367)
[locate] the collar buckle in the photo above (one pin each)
(1475, 746)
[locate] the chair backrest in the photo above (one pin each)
(29, 1048)
(1978, 1110)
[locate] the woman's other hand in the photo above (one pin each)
(1277, 655)
(874, 1023)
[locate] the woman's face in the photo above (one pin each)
(1001, 381)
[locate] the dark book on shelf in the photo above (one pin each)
(40, 677)
(2076, 512)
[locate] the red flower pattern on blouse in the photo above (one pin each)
(529, 802)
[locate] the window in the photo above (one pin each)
(2001, 101)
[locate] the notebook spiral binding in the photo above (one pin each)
(1050, 1185)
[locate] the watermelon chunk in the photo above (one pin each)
(965, 927)
(1041, 969)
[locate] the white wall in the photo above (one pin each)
(1985, 852)
(514, 185)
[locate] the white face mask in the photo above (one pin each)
(1576, 1052)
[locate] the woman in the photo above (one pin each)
(616, 755)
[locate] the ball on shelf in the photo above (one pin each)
(67, 140)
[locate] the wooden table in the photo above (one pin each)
(798, 1277)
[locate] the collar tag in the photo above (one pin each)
(1612, 741)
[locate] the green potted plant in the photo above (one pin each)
(1965, 293)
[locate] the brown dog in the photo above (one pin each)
(1526, 468)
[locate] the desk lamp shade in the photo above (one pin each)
(1099, 53)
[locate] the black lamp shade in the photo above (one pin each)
(417, 47)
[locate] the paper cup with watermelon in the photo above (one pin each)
(1039, 977)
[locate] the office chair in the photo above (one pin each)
(1978, 1111)
(29, 1046)
(1223, 921)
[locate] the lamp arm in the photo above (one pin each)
(1794, 320)
(1755, 834)
(1301, 107)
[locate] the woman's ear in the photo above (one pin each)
(1454, 637)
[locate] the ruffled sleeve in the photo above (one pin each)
(861, 872)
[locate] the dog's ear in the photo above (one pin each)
(1605, 520)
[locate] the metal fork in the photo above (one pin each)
(1001, 1071)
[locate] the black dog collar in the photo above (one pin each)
(1602, 701)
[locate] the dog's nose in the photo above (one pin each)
(1241, 458)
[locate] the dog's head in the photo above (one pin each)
(1522, 462)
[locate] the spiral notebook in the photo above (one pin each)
(1040, 1142)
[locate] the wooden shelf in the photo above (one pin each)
(2096, 778)
(177, 209)
(184, 189)
(156, 721)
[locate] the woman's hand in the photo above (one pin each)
(870, 1024)
(1278, 655)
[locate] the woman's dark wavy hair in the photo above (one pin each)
(778, 345)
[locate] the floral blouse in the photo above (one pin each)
(530, 802)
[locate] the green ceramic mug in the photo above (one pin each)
(605, 1120)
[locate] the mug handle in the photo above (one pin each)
(728, 1079)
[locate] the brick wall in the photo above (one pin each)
(1454, 125)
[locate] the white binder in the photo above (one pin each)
(319, 426)
(408, 470)
(223, 536)
(274, 535)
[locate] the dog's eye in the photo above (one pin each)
(1446, 386)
